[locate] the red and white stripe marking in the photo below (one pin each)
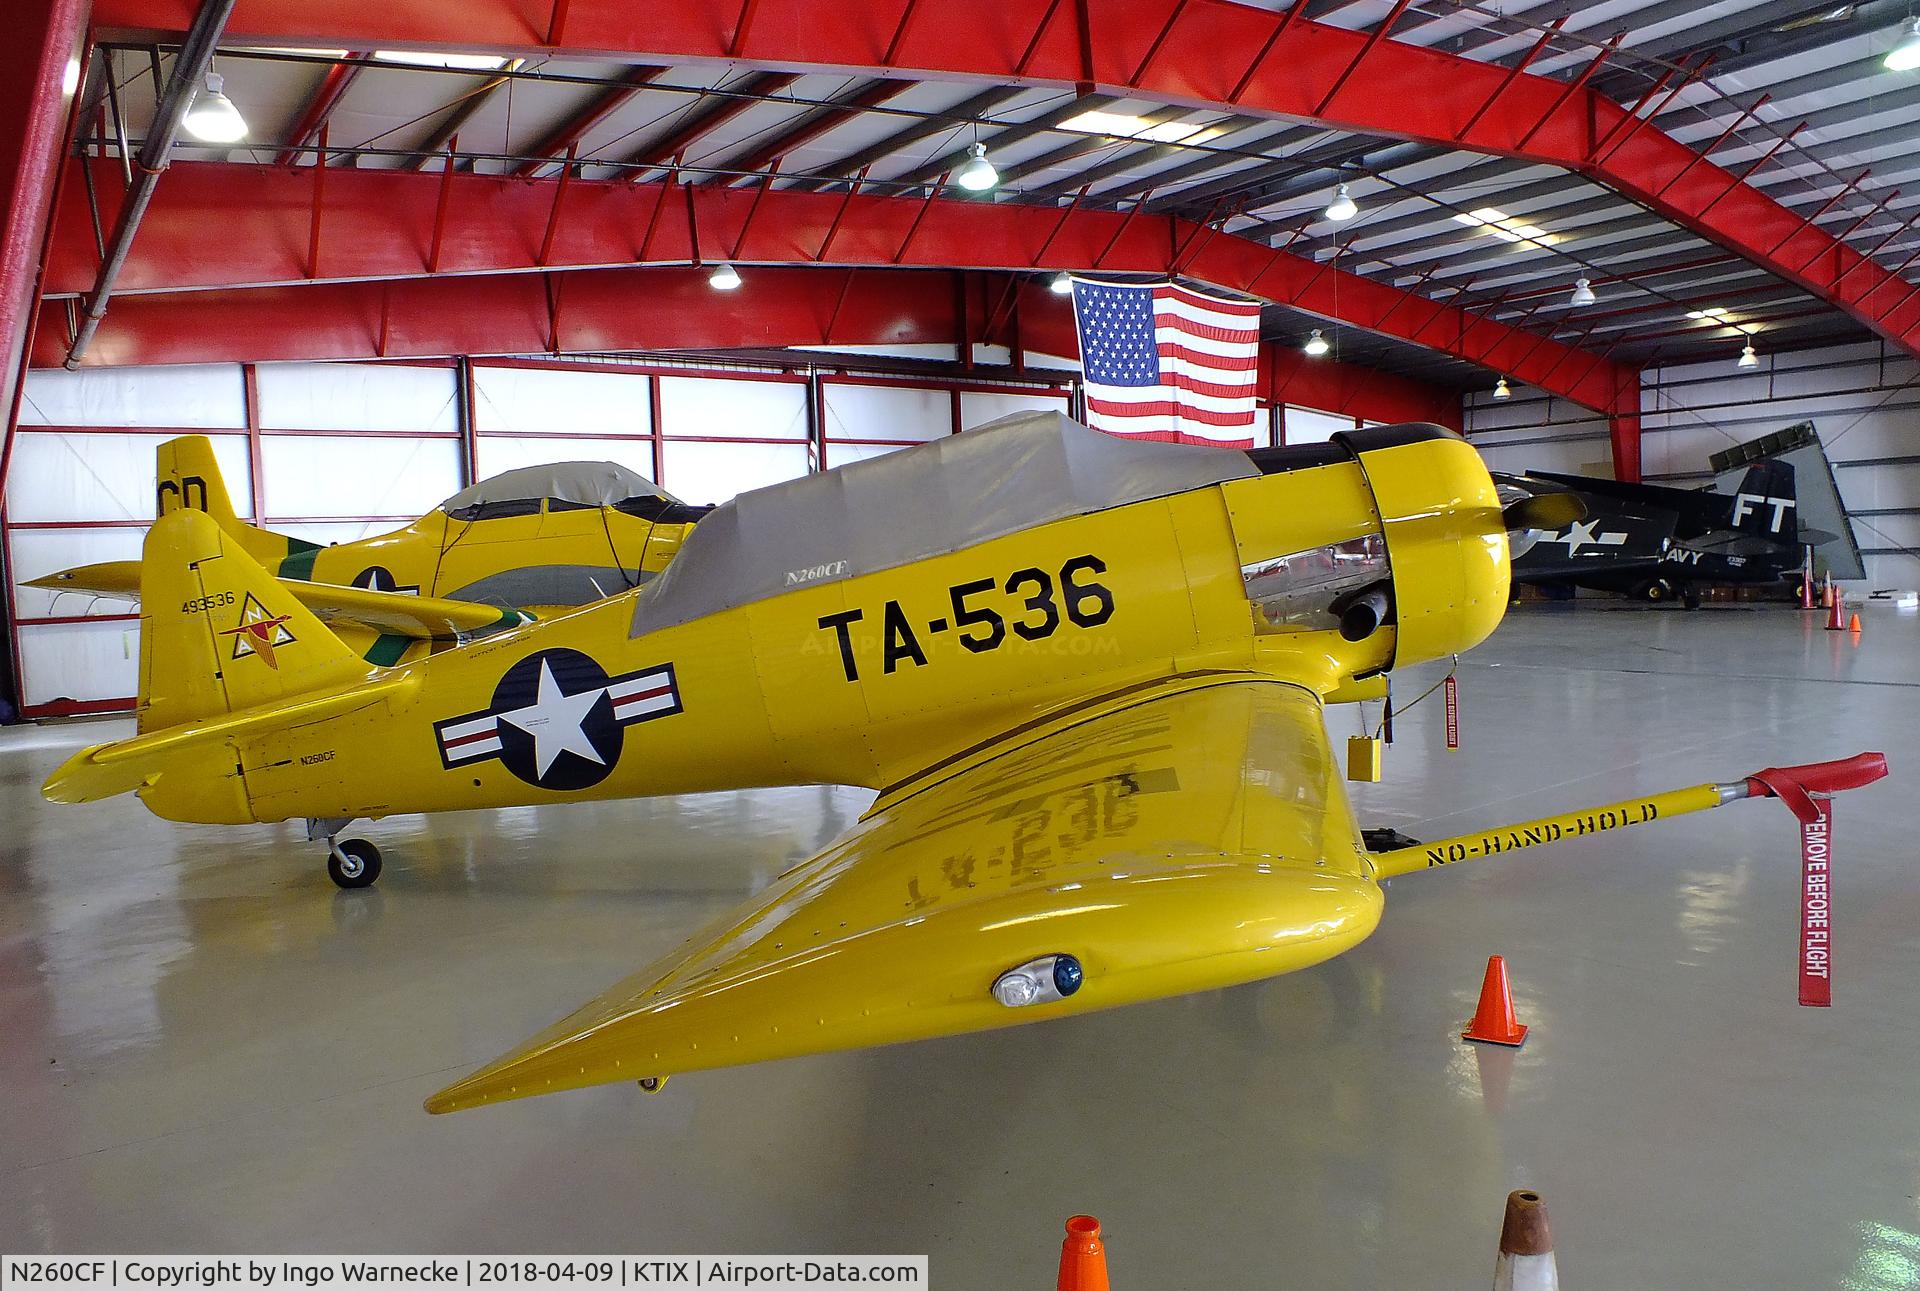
(643, 695)
(465, 741)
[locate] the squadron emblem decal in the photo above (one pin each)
(556, 719)
(259, 633)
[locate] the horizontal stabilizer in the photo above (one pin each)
(103, 770)
(421, 618)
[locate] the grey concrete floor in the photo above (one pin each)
(204, 1047)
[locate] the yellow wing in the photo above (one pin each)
(419, 618)
(1192, 836)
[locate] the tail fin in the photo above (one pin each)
(1765, 502)
(188, 479)
(219, 633)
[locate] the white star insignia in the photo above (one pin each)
(557, 722)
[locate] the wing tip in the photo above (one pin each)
(505, 1081)
(83, 778)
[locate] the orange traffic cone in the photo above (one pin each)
(1837, 614)
(1083, 1260)
(1493, 1022)
(1853, 624)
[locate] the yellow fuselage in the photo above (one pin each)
(875, 678)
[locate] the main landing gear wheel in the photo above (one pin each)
(354, 863)
(1690, 596)
(1656, 591)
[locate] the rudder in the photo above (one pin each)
(219, 633)
(187, 478)
(1765, 503)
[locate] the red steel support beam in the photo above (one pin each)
(1714, 147)
(319, 110)
(746, 226)
(565, 136)
(461, 111)
(1547, 34)
(811, 127)
(1378, 34)
(1633, 113)
(1201, 62)
(1259, 62)
(833, 229)
(553, 217)
(1173, 20)
(1759, 161)
(1623, 434)
(1840, 239)
(1882, 244)
(926, 205)
(1065, 215)
(319, 170)
(440, 207)
(46, 46)
(1574, 86)
(384, 223)
(700, 124)
(1811, 221)
(1632, 122)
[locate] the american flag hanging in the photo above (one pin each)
(1163, 362)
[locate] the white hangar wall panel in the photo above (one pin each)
(1863, 401)
(348, 450)
(869, 416)
(724, 435)
(529, 416)
(80, 489)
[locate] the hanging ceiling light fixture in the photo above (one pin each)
(1905, 56)
(213, 118)
(978, 175)
(1061, 285)
(1748, 359)
(1582, 293)
(1342, 207)
(1501, 391)
(1316, 344)
(724, 278)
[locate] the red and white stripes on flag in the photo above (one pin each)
(1162, 361)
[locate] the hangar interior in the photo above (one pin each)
(377, 255)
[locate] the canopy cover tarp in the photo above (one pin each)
(591, 484)
(1021, 471)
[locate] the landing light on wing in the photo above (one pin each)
(1039, 981)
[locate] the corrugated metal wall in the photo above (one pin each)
(1864, 402)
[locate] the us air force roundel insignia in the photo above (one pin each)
(556, 719)
(378, 578)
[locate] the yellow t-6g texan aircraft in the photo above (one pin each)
(1085, 674)
(515, 547)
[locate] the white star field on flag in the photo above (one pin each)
(1161, 361)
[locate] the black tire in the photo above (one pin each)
(1656, 592)
(1690, 596)
(362, 867)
